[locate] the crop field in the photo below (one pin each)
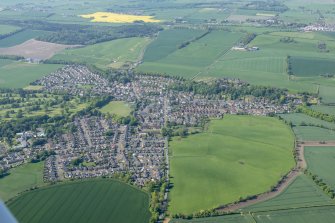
(117, 18)
(6, 29)
(85, 201)
(236, 218)
(236, 157)
(34, 49)
(20, 37)
(327, 94)
(194, 58)
(303, 192)
(310, 67)
(302, 119)
(21, 178)
(113, 54)
(14, 74)
(304, 215)
(118, 108)
(311, 133)
(321, 161)
(330, 110)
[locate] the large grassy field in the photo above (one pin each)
(327, 94)
(5, 29)
(303, 192)
(310, 67)
(302, 119)
(21, 37)
(321, 161)
(311, 133)
(236, 218)
(330, 110)
(113, 54)
(15, 74)
(86, 201)
(20, 179)
(118, 108)
(236, 157)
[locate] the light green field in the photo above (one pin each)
(236, 157)
(21, 37)
(21, 178)
(310, 133)
(302, 119)
(119, 108)
(327, 94)
(14, 74)
(6, 29)
(236, 218)
(303, 192)
(83, 201)
(321, 161)
(330, 110)
(113, 54)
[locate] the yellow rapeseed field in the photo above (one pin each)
(117, 18)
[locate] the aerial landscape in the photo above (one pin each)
(180, 111)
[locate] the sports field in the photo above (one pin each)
(85, 201)
(20, 179)
(119, 108)
(113, 54)
(321, 161)
(14, 74)
(236, 157)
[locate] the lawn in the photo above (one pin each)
(236, 157)
(21, 178)
(321, 161)
(14, 74)
(119, 108)
(83, 201)
(311, 133)
(303, 192)
(113, 54)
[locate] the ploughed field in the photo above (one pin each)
(85, 201)
(235, 157)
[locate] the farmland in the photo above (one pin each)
(311, 67)
(321, 161)
(14, 74)
(118, 108)
(20, 179)
(223, 157)
(311, 133)
(21, 37)
(330, 110)
(112, 54)
(86, 201)
(299, 119)
(117, 18)
(6, 29)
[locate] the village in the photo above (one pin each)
(98, 146)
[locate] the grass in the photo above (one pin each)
(327, 94)
(302, 119)
(85, 201)
(6, 29)
(310, 67)
(21, 178)
(21, 37)
(303, 192)
(236, 157)
(321, 161)
(310, 133)
(330, 110)
(236, 218)
(14, 74)
(119, 108)
(113, 54)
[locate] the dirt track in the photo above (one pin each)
(290, 177)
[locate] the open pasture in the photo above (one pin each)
(113, 54)
(310, 67)
(311, 133)
(236, 157)
(327, 94)
(321, 161)
(330, 110)
(303, 120)
(14, 74)
(85, 201)
(21, 178)
(118, 108)
(21, 37)
(6, 29)
(236, 218)
(34, 49)
(302, 192)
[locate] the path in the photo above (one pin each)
(287, 180)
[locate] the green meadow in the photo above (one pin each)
(235, 157)
(119, 108)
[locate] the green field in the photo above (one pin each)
(236, 157)
(327, 94)
(113, 54)
(86, 201)
(330, 110)
(310, 67)
(321, 161)
(310, 133)
(302, 119)
(21, 37)
(236, 218)
(6, 29)
(20, 179)
(303, 192)
(14, 74)
(194, 58)
(119, 108)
